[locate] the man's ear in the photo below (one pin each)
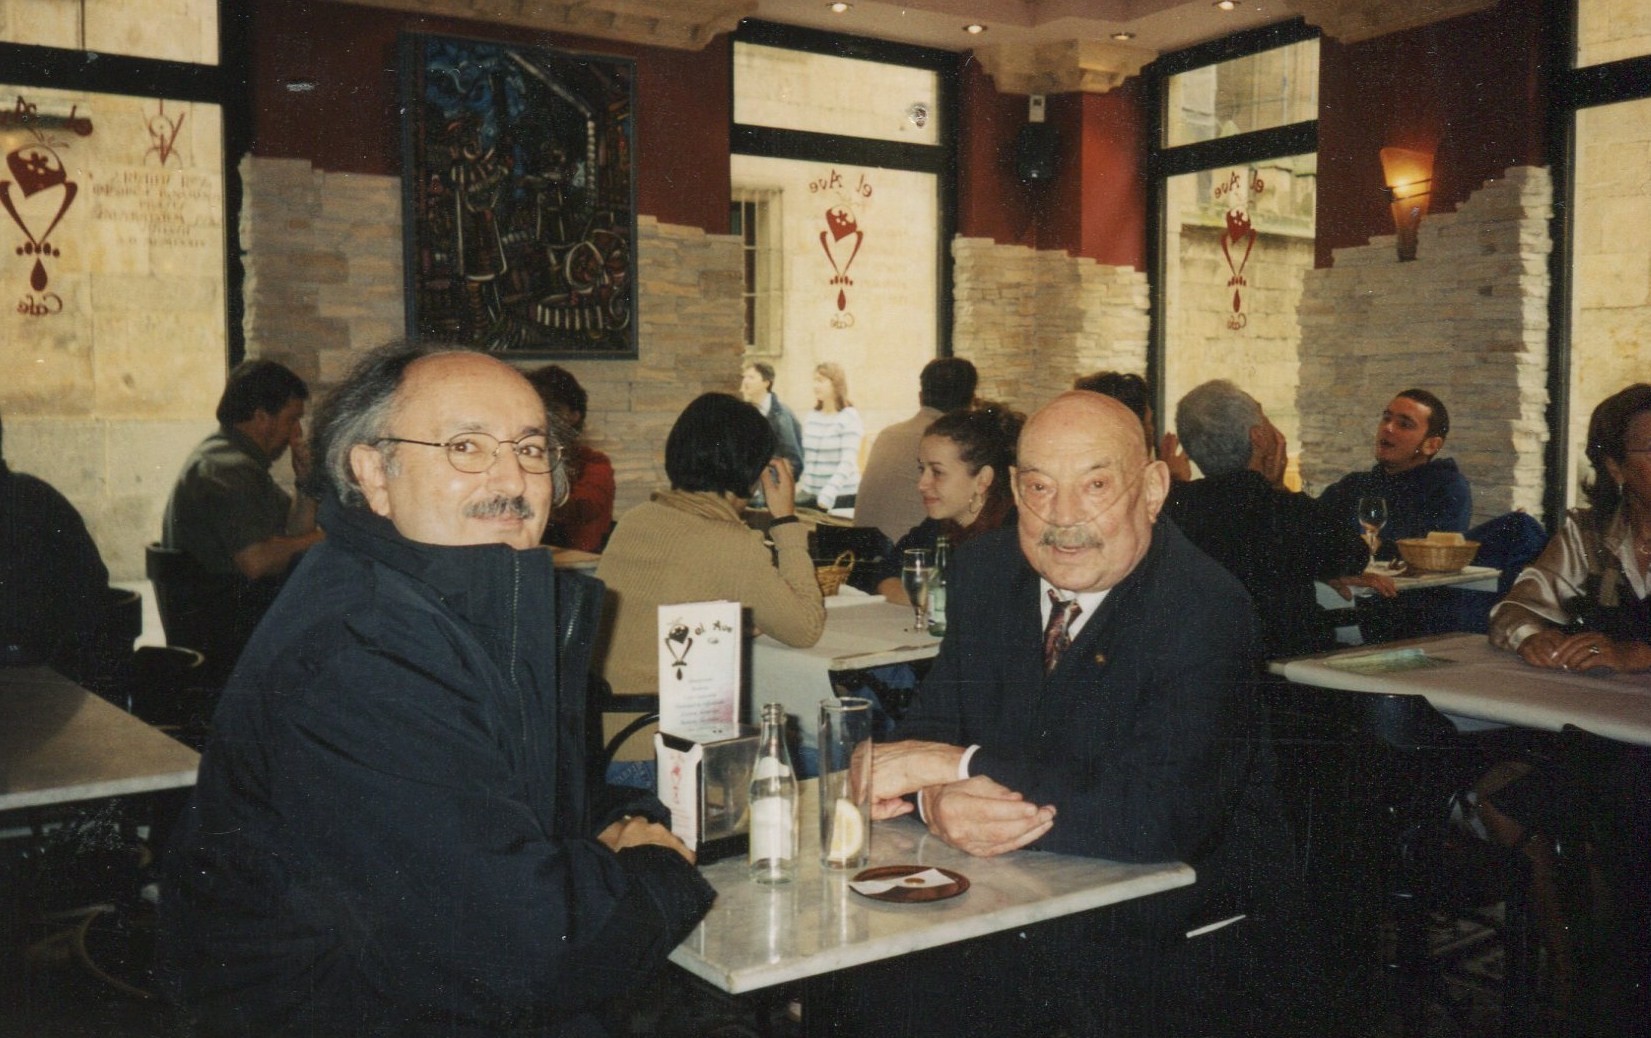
(367, 463)
(1155, 488)
(1432, 445)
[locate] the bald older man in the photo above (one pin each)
(390, 834)
(1094, 695)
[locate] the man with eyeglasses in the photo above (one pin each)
(391, 833)
(1095, 695)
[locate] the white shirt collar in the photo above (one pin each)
(1088, 601)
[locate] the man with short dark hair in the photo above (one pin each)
(888, 496)
(1424, 492)
(238, 527)
(391, 835)
(757, 389)
(1095, 695)
(1276, 542)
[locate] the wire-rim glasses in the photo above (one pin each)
(477, 452)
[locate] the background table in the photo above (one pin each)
(59, 744)
(1462, 676)
(861, 632)
(757, 936)
(1468, 578)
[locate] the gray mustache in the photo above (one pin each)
(1070, 538)
(500, 507)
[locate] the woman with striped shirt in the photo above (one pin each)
(831, 444)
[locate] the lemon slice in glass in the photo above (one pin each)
(848, 831)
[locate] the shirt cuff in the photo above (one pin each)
(963, 762)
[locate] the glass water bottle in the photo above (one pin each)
(774, 832)
(937, 586)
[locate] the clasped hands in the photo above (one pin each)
(976, 815)
(1587, 650)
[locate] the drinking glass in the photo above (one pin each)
(845, 782)
(915, 568)
(1372, 517)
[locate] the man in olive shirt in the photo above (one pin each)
(240, 530)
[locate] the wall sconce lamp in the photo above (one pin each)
(1409, 178)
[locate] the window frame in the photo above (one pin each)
(225, 85)
(1164, 163)
(939, 159)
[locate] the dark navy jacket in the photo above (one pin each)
(1428, 497)
(1149, 737)
(383, 841)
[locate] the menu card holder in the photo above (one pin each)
(704, 755)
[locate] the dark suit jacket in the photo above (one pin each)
(1276, 543)
(1149, 738)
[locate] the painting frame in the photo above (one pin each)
(519, 198)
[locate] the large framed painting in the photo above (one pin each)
(519, 197)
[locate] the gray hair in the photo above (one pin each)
(358, 412)
(1213, 422)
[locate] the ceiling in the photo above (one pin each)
(1028, 46)
(1160, 26)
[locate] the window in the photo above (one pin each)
(1236, 176)
(754, 217)
(853, 135)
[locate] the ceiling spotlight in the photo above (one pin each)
(839, 7)
(1123, 37)
(974, 29)
(300, 86)
(1226, 5)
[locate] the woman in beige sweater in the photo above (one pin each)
(688, 544)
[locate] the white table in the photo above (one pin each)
(1462, 676)
(60, 743)
(757, 936)
(861, 632)
(1468, 578)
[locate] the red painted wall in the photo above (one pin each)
(991, 201)
(351, 121)
(1471, 87)
(1100, 210)
(1096, 204)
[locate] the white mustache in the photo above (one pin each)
(500, 507)
(1071, 538)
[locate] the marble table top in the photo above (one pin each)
(756, 936)
(60, 743)
(858, 635)
(1463, 676)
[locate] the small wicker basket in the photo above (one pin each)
(831, 575)
(1424, 556)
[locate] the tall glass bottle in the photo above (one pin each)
(937, 586)
(774, 832)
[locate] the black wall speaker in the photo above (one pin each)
(1037, 153)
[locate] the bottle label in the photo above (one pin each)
(768, 767)
(937, 608)
(772, 829)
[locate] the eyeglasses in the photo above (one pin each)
(477, 452)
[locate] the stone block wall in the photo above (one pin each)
(1031, 321)
(324, 283)
(1468, 320)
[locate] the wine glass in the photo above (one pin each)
(915, 568)
(1372, 517)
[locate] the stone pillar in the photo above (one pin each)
(1032, 321)
(1468, 320)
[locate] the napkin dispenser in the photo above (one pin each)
(706, 782)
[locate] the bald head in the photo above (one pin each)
(1088, 494)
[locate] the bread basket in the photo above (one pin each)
(1424, 556)
(831, 575)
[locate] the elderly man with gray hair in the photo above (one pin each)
(1274, 541)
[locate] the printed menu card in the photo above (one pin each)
(699, 670)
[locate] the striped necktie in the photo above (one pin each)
(1055, 636)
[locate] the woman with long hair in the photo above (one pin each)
(963, 465)
(831, 444)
